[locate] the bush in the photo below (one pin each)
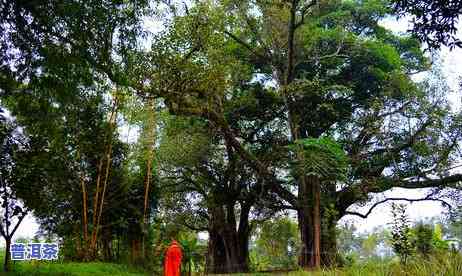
(401, 240)
(423, 234)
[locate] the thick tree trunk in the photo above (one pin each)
(236, 251)
(243, 237)
(228, 250)
(227, 253)
(6, 264)
(305, 225)
(327, 230)
(329, 254)
(329, 218)
(216, 257)
(316, 190)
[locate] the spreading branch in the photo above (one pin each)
(246, 45)
(349, 195)
(427, 198)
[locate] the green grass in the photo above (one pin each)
(72, 268)
(59, 268)
(446, 264)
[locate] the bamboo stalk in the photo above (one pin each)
(150, 151)
(98, 204)
(84, 203)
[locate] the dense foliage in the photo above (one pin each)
(433, 21)
(239, 115)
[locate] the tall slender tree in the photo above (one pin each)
(13, 142)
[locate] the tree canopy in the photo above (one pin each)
(242, 111)
(434, 22)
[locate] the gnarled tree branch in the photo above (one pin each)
(427, 198)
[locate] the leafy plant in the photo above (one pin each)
(438, 242)
(322, 157)
(401, 233)
(423, 239)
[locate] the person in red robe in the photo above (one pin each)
(173, 257)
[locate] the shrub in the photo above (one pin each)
(401, 233)
(423, 234)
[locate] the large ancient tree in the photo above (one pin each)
(337, 73)
(206, 187)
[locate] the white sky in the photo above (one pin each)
(381, 215)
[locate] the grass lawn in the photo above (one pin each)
(59, 268)
(439, 265)
(35, 267)
(366, 269)
(70, 268)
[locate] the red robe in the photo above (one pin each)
(173, 260)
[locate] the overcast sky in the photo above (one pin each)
(452, 68)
